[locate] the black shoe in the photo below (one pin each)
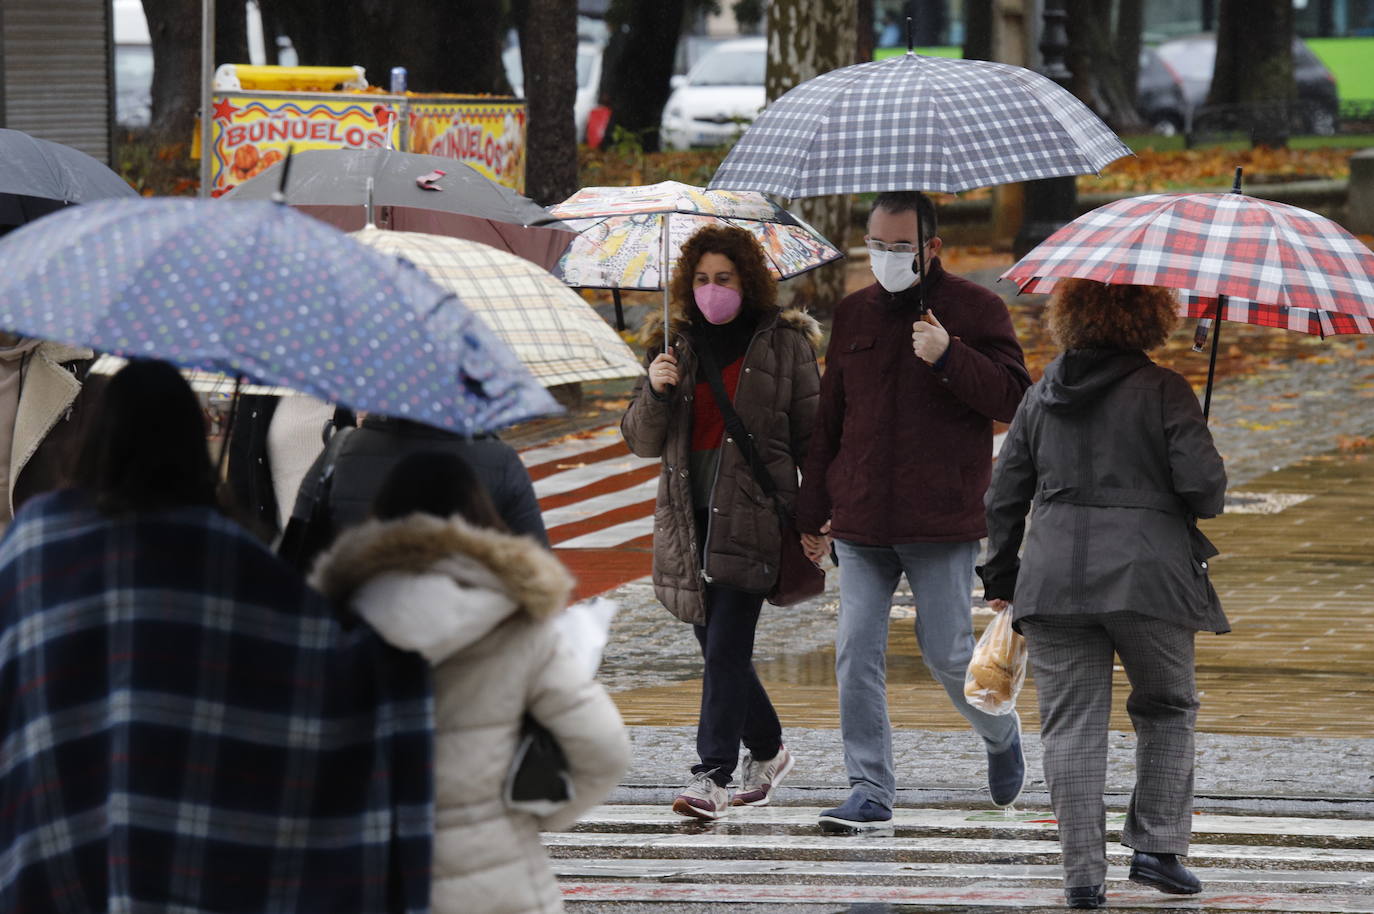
(1163, 872)
(1086, 896)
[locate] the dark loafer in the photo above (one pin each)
(1086, 896)
(1163, 872)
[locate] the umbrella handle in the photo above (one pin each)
(1212, 362)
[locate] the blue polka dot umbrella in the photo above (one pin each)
(259, 291)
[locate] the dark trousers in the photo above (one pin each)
(734, 704)
(1071, 657)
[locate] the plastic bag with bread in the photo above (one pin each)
(998, 667)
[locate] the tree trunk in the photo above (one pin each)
(638, 64)
(231, 32)
(1254, 65)
(548, 48)
(1130, 22)
(807, 38)
(174, 31)
(1098, 80)
(866, 38)
(978, 29)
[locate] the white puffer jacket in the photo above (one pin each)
(476, 604)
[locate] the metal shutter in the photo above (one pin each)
(56, 73)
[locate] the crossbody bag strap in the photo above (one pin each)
(735, 425)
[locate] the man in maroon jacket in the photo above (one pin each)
(896, 472)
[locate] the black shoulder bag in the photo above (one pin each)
(799, 578)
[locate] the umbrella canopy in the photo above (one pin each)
(415, 193)
(261, 291)
(623, 232)
(40, 177)
(917, 123)
(1275, 264)
(558, 336)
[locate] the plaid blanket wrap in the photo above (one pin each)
(189, 728)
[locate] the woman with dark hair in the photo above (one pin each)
(717, 534)
(435, 571)
(164, 677)
(1111, 455)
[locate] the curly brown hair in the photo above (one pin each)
(760, 289)
(1086, 314)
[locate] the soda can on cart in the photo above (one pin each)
(398, 80)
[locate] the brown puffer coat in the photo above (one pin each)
(777, 400)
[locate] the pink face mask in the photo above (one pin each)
(718, 304)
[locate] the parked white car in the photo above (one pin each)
(588, 80)
(718, 98)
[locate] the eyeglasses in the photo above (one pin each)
(882, 247)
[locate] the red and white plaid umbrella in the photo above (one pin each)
(1276, 265)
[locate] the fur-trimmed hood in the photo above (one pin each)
(651, 332)
(422, 544)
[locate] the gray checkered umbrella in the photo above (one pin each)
(917, 123)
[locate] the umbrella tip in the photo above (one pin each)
(910, 37)
(279, 195)
(1235, 188)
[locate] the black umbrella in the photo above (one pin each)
(39, 177)
(407, 191)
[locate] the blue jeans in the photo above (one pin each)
(941, 578)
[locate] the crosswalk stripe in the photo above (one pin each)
(898, 849)
(830, 870)
(618, 535)
(600, 504)
(580, 475)
(993, 820)
(931, 896)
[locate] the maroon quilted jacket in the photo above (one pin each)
(902, 451)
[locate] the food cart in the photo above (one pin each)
(258, 113)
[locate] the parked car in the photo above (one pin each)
(588, 80)
(1189, 61)
(718, 98)
(1159, 95)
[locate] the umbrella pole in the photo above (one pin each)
(1212, 362)
(228, 430)
(921, 257)
(663, 276)
(619, 310)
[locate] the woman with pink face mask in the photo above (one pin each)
(717, 535)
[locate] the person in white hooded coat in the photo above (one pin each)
(433, 572)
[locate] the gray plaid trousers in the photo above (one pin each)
(1071, 659)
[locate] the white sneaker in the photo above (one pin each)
(702, 798)
(761, 778)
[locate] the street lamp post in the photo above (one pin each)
(1049, 202)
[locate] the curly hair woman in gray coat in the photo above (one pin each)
(1111, 455)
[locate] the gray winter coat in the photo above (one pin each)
(1111, 455)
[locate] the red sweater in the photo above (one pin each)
(708, 425)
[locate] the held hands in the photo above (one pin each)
(663, 372)
(817, 547)
(929, 339)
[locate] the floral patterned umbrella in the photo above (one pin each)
(627, 234)
(260, 291)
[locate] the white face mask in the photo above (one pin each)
(895, 272)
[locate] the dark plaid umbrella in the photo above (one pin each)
(39, 177)
(917, 123)
(1232, 255)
